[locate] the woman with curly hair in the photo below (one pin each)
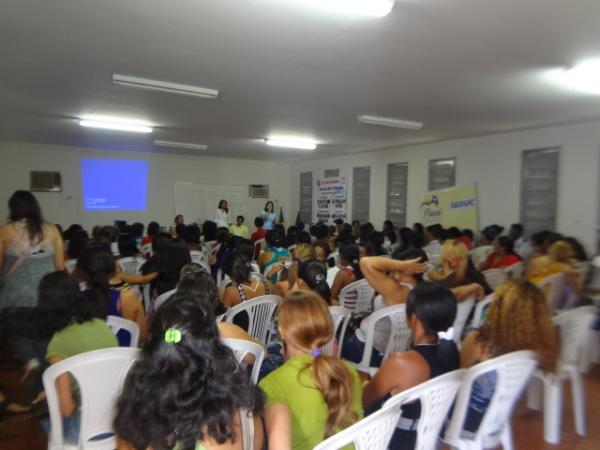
(312, 396)
(518, 319)
(187, 390)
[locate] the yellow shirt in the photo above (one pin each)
(241, 231)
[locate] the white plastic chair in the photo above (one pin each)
(515, 270)
(478, 318)
(575, 328)
(339, 317)
(222, 279)
(398, 340)
(358, 296)
(131, 265)
(114, 248)
(513, 371)
(494, 277)
(260, 312)
(463, 309)
(163, 298)
(241, 349)
(100, 375)
(436, 397)
(116, 324)
(70, 265)
(198, 257)
(554, 289)
(371, 433)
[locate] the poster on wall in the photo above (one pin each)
(331, 199)
(454, 207)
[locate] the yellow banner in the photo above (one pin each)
(451, 207)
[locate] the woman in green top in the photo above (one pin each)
(187, 390)
(66, 318)
(312, 396)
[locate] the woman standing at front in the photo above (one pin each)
(29, 249)
(268, 215)
(222, 215)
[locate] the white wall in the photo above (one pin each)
(494, 163)
(18, 159)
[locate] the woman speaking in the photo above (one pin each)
(268, 215)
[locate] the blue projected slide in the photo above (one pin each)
(114, 184)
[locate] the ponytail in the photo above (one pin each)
(350, 254)
(97, 264)
(100, 293)
(334, 380)
(314, 274)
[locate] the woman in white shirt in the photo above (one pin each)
(268, 215)
(222, 215)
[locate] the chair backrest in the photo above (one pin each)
(70, 265)
(339, 317)
(163, 298)
(358, 296)
(463, 310)
(480, 310)
(116, 324)
(554, 288)
(222, 279)
(198, 257)
(371, 433)
(575, 327)
(260, 312)
(515, 270)
(399, 337)
(494, 277)
(100, 375)
(131, 264)
(513, 371)
(241, 349)
(436, 397)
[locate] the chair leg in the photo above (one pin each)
(534, 394)
(553, 405)
(506, 437)
(578, 401)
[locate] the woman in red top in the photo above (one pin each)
(503, 255)
(153, 229)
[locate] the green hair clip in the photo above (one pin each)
(172, 336)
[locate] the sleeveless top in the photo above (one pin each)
(243, 296)
(25, 264)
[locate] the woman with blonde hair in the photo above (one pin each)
(559, 259)
(518, 319)
(312, 396)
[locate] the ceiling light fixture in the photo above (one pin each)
(376, 8)
(164, 86)
(388, 122)
(180, 145)
(115, 123)
(585, 76)
(288, 142)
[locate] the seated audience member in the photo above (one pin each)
(303, 238)
(78, 240)
(393, 279)
(137, 230)
(405, 240)
(225, 245)
(388, 227)
(579, 254)
(209, 234)
(503, 255)
(70, 323)
(457, 271)
(430, 309)
(243, 286)
(291, 237)
(485, 247)
(365, 230)
(468, 233)
(312, 275)
(240, 229)
(517, 319)
(178, 221)
(289, 275)
(377, 239)
(457, 235)
(433, 239)
(127, 246)
(186, 391)
(272, 260)
(365, 248)
(322, 251)
(72, 229)
(152, 230)
(349, 269)
(391, 243)
(522, 246)
(106, 291)
(260, 232)
(356, 229)
(191, 236)
(312, 396)
(559, 259)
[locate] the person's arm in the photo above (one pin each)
(66, 403)
(463, 292)
(232, 331)
(340, 280)
(59, 250)
(278, 424)
(375, 269)
(137, 279)
(470, 353)
(231, 297)
(132, 309)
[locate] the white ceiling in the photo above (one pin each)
(463, 67)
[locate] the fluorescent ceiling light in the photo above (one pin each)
(180, 145)
(376, 8)
(288, 142)
(115, 123)
(583, 77)
(164, 86)
(388, 122)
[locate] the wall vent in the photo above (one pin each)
(258, 191)
(45, 181)
(332, 173)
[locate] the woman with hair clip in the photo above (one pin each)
(187, 391)
(312, 396)
(518, 319)
(350, 269)
(108, 293)
(222, 215)
(243, 286)
(430, 309)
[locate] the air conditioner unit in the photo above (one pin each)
(45, 181)
(258, 191)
